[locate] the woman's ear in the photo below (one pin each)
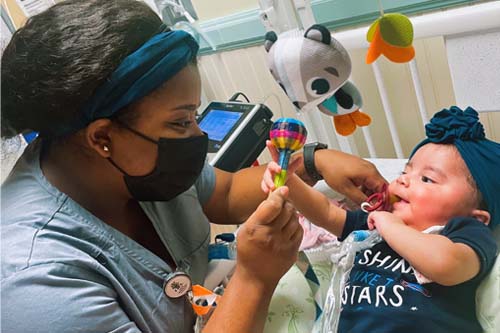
(97, 135)
(482, 215)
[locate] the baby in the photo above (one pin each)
(437, 240)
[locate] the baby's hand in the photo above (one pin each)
(379, 219)
(273, 168)
(267, 183)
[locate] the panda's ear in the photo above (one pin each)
(270, 39)
(319, 33)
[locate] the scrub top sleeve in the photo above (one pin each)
(205, 183)
(68, 299)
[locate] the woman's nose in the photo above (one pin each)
(196, 129)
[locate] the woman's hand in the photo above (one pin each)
(273, 168)
(350, 175)
(267, 247)
(268, 242)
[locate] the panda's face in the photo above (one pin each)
(308, 66)
(318, 86)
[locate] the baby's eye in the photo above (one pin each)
(402, 172)
(427, 179)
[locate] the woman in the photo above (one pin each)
(114, 198)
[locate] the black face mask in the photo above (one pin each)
(179, 164)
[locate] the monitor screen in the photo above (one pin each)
(218, 123)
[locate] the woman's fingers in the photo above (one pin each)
(270, 208)
(353, 192)
(297, 236)
(288, 215)
(290, 228)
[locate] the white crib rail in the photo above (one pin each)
(466, 19)
(222, 73)
(387, 110)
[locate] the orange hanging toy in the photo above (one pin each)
(392, 36)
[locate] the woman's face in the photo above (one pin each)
(433, 188)
(168, 112)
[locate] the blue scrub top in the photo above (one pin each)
(64, 270)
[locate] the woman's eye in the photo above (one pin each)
(183, 124)
(427, 179)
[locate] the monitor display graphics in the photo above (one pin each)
(218, 123)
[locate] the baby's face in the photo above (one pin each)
(433, 188)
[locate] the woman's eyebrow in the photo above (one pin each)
(188, 107)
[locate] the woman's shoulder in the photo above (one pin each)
(40, 226)
(37, 235)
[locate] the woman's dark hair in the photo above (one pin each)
(54, 63)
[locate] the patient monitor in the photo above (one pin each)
(237, 133)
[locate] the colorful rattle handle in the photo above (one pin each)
(287, 135)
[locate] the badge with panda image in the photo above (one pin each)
(177, 285)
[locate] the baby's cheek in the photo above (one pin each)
(391, 186)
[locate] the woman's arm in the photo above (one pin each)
(236, 195)
(267, 247)
(435, 256)
(347, 174)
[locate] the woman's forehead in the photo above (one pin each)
(185, 84)
(180, 94)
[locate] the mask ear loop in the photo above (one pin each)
(136, 132)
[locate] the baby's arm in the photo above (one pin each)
(434, 256)
(313, 204)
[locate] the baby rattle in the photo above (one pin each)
(287, 135)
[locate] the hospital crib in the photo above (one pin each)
(456, 63)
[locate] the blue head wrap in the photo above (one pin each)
(140, 73)
(482, 156)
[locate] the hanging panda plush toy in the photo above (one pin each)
(345, 108)
(311, 67)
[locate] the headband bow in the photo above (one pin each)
(449, 125)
